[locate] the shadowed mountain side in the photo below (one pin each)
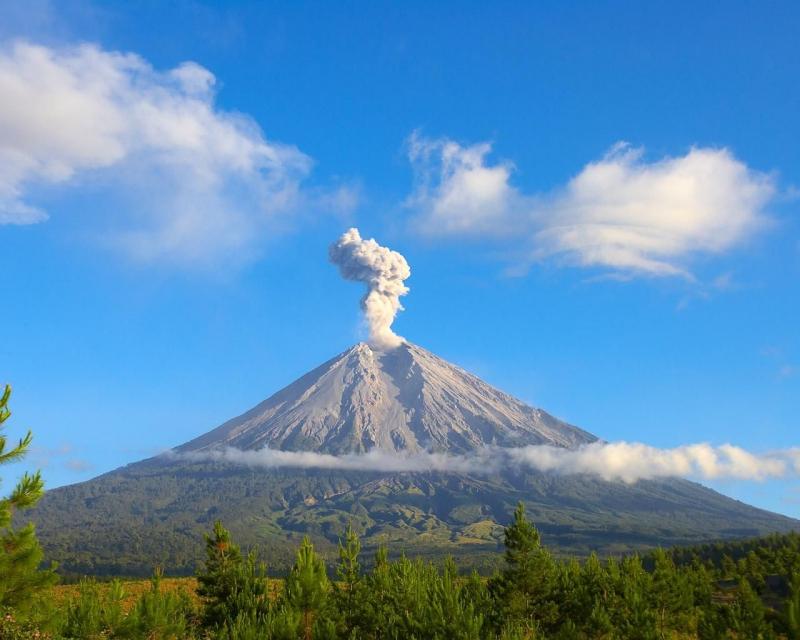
(155, 512)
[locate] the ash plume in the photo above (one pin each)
(383, 271)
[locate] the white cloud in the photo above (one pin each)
(621, 213)
(375, 460)
(622, 461)
(456, 191)
(61, 456)
(200, 183)
(630, 462)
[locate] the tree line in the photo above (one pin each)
(747, 591)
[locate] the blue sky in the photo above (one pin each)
(153, 288)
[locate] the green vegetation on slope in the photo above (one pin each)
(20, 553)
(680, 593)
(152, 513)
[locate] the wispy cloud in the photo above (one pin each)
(787, 371)
(199, 183)
(624, 461)
(621, 212)
(779, 359)
(375, 460)
(62, 456)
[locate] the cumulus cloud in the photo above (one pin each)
(384, 272)
(200, 182)
(621, 212)
(615, 461)
(456, 191)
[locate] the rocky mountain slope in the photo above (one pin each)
(406, 399)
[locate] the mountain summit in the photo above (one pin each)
(404, 399)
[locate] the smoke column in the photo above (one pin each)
(383, 271)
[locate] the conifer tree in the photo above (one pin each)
(524, 588)
(349, 592)
(450, 614)
(632, 614)
(20, 552)
(595, 595)
(307, 586)
(159, 614)
(793, 608)
(93, 614)
(231, 587)
(217, 581)
(378, 605)
(671, 595)
(747, 613)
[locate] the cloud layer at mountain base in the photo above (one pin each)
(615, 461)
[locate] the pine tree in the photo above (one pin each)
(231, 587)
(524, 590)
(747, 613)
(595, 595)
(671, 594)
(348, 592)
(217, 580)
(449, 610)
(20, 552)
(159, 614)
(631, 613)
(793, 609)
(92, 614)
(307, 587)
(378, 605)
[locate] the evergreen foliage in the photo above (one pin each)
(348, 593)
(307, 588)
(793, 608)
(525, 587)
(92, 614)
(159, 615)
(669, 594)
(20, 553)
(154, 512)
(232, 588)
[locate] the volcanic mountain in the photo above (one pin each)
(406, 399)
(401, 401)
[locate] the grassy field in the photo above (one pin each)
(63, 593)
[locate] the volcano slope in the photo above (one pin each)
(400, 402)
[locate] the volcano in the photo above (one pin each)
(399, 401)
(406, 399)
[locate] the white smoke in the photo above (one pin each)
(615, 461)
(383, 271)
